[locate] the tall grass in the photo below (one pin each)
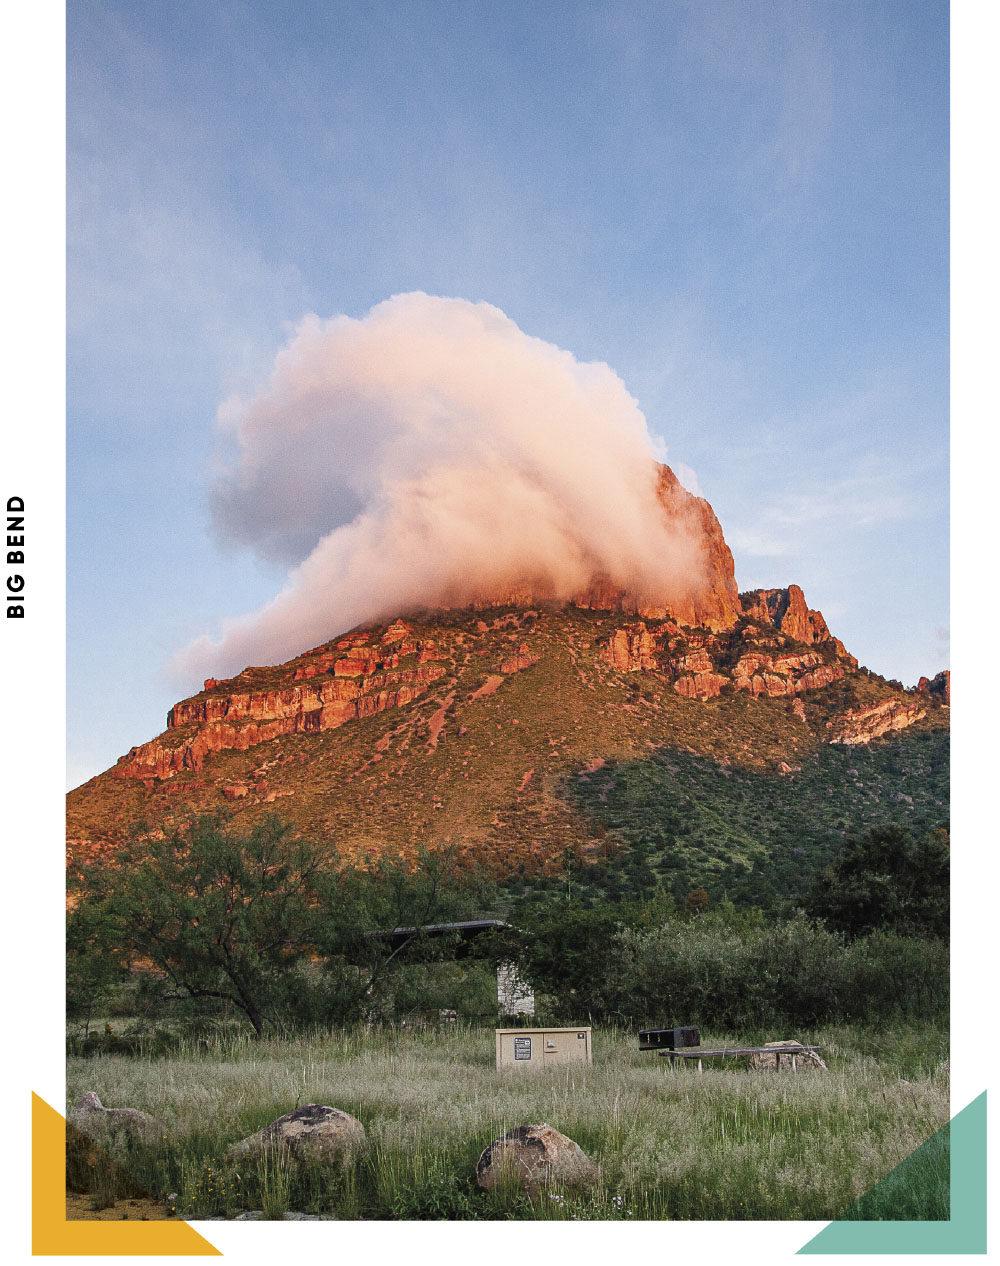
(671, 1143)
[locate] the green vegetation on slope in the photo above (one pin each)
(755, 837)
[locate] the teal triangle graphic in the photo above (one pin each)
(907, 1212)
(917, 1190)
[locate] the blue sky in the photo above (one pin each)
(741, 208)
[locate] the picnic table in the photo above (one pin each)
(779, 1052)
(683, 1043)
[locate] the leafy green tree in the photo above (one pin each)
(92, 975)
(886, 880)
(208, 912)
(568, 951)
(275, 926)
(378, 917)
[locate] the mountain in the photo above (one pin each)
(701, 737)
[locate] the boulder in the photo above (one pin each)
(536, 1156)
(310, 1132)
(110, 1125)
(804, 1059)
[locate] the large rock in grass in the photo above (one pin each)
(311, 1132)
(803, 1059)
(535, 1156)
(115, 1125)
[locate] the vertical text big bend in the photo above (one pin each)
(15, 536)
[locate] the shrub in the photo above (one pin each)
(793, 972)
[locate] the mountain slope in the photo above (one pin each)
(516, 732)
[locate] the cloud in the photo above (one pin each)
(433, 454)
(863, 499)
(756, 544)
(689, 478)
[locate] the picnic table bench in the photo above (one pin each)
(699, 1053)
(683, 1043)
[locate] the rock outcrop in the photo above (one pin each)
(702, 663)
(860, 725)
(535, 1156)
(709, 596)
(808, 1060)
(115, 1125)
(786, 673)
(357, 676)
(712, 598)
(786, 611)
(312, 1132)
(937, 687)
(524, 658)
(717, 603)
(631, 649)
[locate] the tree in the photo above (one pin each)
(886, 879)
(207, 911)
(92, 976)
(278, 927)
(375, 918)
(568, 951)
(696, 902)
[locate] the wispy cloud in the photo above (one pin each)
(756, 544)
(861, 500)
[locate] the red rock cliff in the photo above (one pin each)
(357, 676)
(786, 611)
(708, 640)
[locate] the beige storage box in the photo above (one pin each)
(542, 1048)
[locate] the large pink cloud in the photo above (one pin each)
(432, 453)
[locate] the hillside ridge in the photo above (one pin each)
(481, 727)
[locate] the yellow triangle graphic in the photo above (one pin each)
(52, 1235)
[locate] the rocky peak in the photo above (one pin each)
(717, 604)
(937, 687)
(786, 611)
(395, 729)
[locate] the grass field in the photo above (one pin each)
(730, 1143)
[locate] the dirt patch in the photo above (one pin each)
(436, 724)
(489, 687)
(81, 1209)
(592, 766)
